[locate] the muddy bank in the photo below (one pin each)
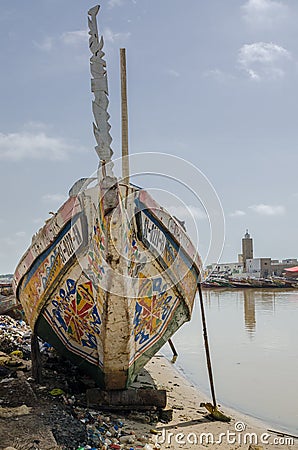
(55, 414)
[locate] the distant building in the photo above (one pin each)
(225, 269)
(278, 267)
(266, 267)
(290, 261)
(247, 249)
(258, 267)
(248, 266)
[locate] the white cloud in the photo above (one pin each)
(69, 38)
(264, 13)
(111, 36)
(29, 145)
(173, 73)
(262, 60)
(268, 210)
(75, 37)
(238, 213)
(54, 198)
(253, 75)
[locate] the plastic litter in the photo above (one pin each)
(153, 431)
(55, 392)
(17, 353)
(127, 439)
(15, 335)
(104, 430)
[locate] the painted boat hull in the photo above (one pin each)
(108, 280)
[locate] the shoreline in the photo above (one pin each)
(232, 410)
(57, 413)
(189, 419)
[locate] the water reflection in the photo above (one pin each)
(266, 299)
(254, 350)
(249, 311)
(254, 300)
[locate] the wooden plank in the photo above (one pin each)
(36, 359)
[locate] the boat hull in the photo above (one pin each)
(109, 286)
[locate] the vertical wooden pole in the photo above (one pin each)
(175, 354)
(124, 118)
(35, 359)
(208, 358)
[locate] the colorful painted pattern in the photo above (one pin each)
(75, 317)
(157, 294)
(37, 285)
(152, 310)
(95, 269)
(96, 250)
(47, 268)
(180, 268)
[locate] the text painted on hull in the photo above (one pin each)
(71, 242)
(153, 234)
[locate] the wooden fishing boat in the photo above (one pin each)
(8, 302)
(112, 275)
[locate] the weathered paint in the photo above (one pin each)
(48, 267)
(45, 237)
(110, 297)
(75, 316)
(146, 202)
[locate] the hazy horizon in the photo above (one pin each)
(211, 82)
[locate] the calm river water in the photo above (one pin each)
(253, 336)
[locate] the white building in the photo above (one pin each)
(258, 267)
(225, 269)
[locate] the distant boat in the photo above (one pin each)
(8, 302)
(249, 282)
(112, 275)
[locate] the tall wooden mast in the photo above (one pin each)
(124, 118)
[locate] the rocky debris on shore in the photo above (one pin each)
(54, 414)
(15, 336)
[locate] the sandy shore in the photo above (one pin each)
(189, 428)
(56, 413)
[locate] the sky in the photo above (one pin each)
(213, 82)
